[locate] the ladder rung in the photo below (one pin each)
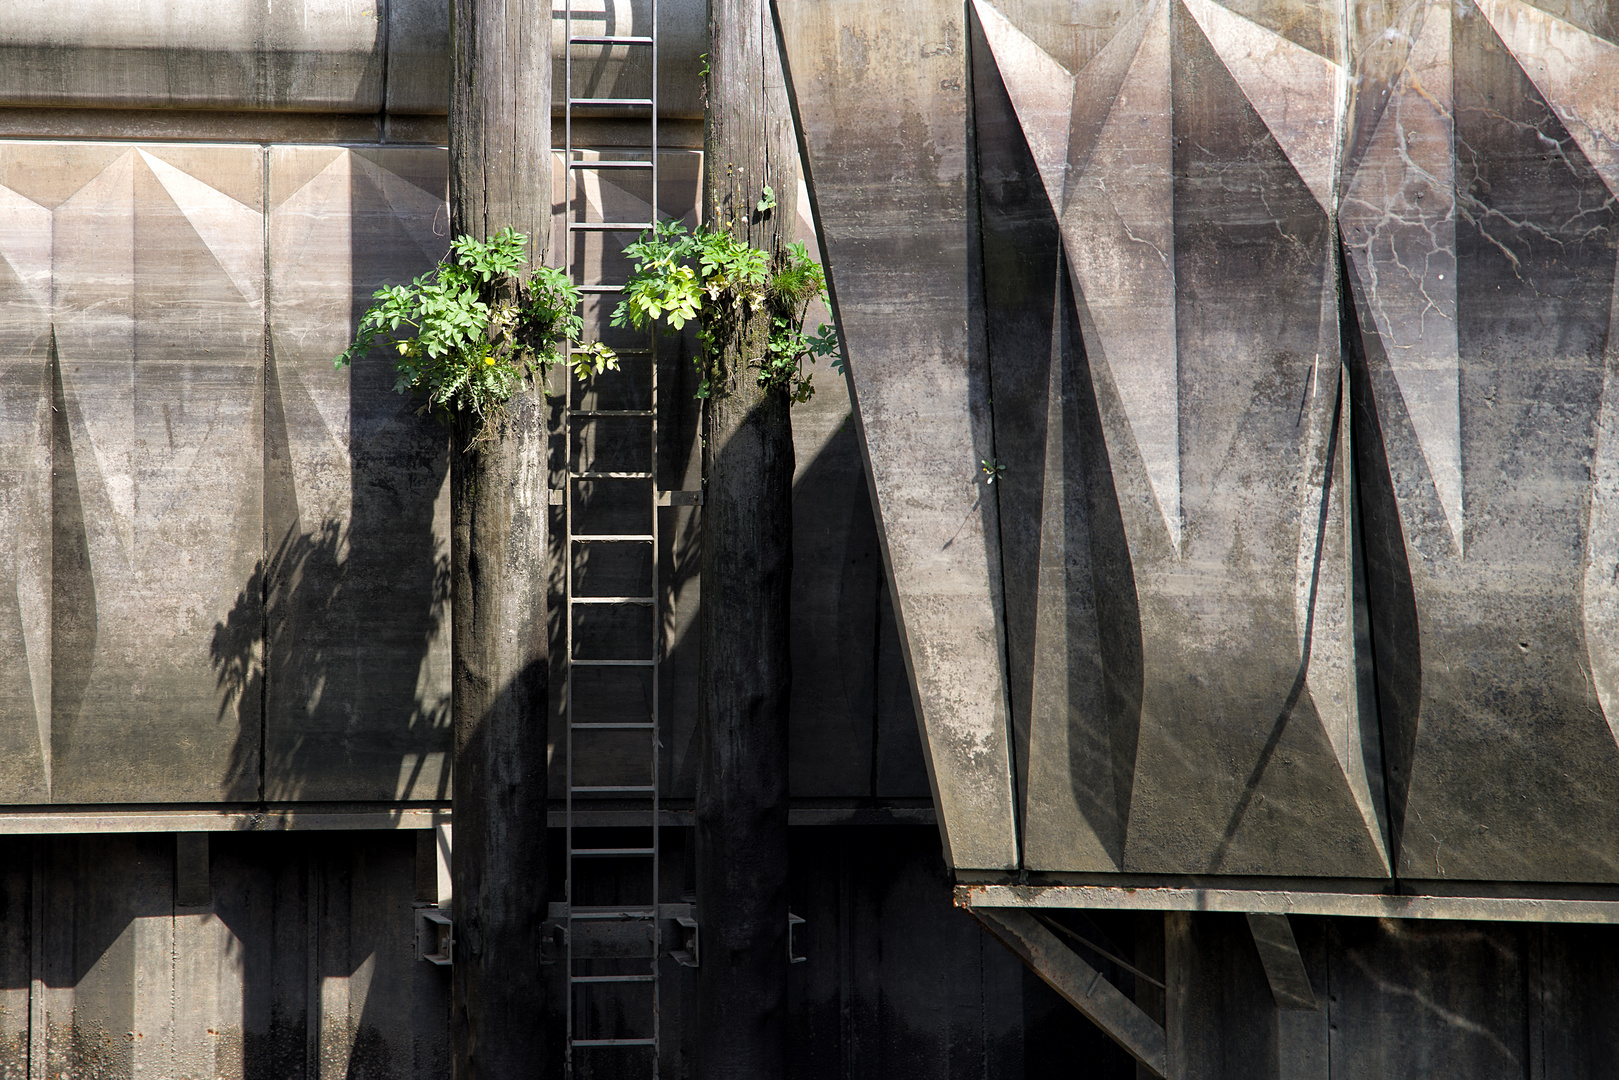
(612, 538)
(611, 663)
(609, 164)
(614, 726)
(609, 39)
(611, 475)
(626, 102)
(631, 789)
(598, 913)
(615, 1042)
(612, 978)
(612, 852)
(610, 226)
(601, 288)
(611, 412)
(614, 599)
(637, 351)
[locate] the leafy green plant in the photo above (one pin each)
(712, 278)
(468, 334)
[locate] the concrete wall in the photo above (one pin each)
(1235, 382)
(298, 961)
(1397, 998)
(226, 579)
(324, 56)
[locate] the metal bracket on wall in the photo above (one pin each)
(683, 915)
(553, 939)
(680, 498)
(690, 953)
(793, 923)
(1284, 967)
(1081, 985)
(435, 936)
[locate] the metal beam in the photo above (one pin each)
(1284, 967)
(1602, 909)
(1081, 985)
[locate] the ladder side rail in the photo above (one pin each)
(657, 609)
(567, 556)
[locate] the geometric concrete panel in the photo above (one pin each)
(1480, 229)
(25, 493)
(883, 111)
(355, 631)
(158, 357)
(1198, 697)
(1576, 72)
(153, 441)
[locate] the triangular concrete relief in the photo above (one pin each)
(1298, 93)
(222, 223)
(1575, 71)
(883, 96)
(1182, 403)
(25, 245)
(1399, 225)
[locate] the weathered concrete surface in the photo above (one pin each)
(853, 730)
(301, 964)
(1483, 301)
(355, 572)
(882, 110)
(322, 56)
(1187, 208)
(156, 294)
(25, 497)
(327, 56)
(1180, 584)
(173, 530)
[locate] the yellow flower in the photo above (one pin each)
(489, 360)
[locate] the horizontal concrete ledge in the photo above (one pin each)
(199, 125)
(210, 125)
(1540, 909)
(25, 822)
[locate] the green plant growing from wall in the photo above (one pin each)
(711, 278)
(469, 334)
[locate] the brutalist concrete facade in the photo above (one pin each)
(1234, 384)
(1241, 376)
(1222, 487)
(223, 635)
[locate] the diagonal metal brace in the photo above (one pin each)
(1081, 985)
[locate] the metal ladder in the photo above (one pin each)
(613, 940)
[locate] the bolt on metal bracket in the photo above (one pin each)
(435, 935)
(793, 922)
(690, 952)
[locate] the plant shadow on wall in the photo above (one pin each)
(342, 630)
(344, 627)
